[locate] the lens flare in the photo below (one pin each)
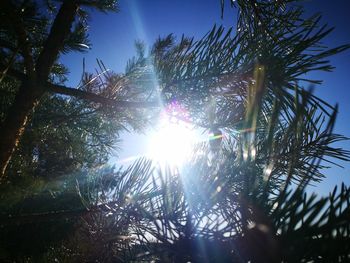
(174, 139)
(172, 144)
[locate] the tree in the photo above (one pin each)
(33, 35)
(242, 196)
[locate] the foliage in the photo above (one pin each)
(64, 133)
(237, 208)
(241, 198)
(33, 36)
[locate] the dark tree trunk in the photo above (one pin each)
(13, 126)
(30, 93)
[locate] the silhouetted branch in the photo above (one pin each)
(60, 29)
(99, 99)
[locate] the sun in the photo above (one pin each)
(172, 142)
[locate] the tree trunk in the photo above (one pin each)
(13, 126)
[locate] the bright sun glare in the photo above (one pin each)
(172, 142)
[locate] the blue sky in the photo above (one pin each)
(113, 35)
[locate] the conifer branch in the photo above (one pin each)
(81, 94)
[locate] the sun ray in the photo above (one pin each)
(174, 138)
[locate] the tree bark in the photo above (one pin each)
(13, 126)
(30, 92)
(59, 31)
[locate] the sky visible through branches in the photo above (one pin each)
(113, 37)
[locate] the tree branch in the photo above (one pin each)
(81, 94)
(53, 215)
(59, 31)
(85, 95)
(12, 73)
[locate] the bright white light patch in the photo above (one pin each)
(172, 143)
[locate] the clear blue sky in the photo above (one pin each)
(113, 35)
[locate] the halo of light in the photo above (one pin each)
(174, 139)
(172, 143)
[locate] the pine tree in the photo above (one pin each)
(242, 197)
(33, 35)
